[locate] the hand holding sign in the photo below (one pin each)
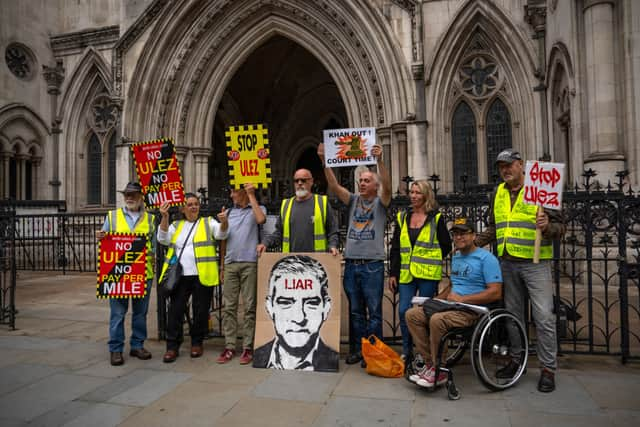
(543, 184)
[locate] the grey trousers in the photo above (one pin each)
(525, 277)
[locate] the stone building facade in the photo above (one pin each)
(446, 83)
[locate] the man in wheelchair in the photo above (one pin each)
(476, 279)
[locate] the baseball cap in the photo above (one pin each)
(132, 187)
(463, 224)
(508, 156)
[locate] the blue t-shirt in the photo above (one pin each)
(471, 273)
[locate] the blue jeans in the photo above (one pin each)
(119, 307)
(426, 288)
(364, 286)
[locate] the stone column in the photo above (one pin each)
(5, 157)
(201, 165)
(604, 155)
(54, 76)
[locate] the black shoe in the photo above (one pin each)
(353, 358)
(141, 353)
(116, 358)
(547, 382)
(363, 363)
(509, 371)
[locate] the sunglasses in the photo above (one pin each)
(301, 180)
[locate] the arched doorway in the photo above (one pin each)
(284, 87)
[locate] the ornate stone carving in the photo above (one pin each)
(479, 76)
(103, 114)
(536, 15)
(76, 42)
(20, 60)
(54, 76)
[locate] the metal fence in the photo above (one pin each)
(7, 268)
(595, 266)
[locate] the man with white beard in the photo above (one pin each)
(131, 218)
(306, 222)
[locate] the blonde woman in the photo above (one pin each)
(420, 242)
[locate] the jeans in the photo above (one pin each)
(525, 277)
(364, 286)
(200, 302)
(426, 288)
(119, 307)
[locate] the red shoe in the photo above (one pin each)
(246, 357)
(226, 355)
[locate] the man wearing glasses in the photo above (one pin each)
(306, 222)
(475, 279)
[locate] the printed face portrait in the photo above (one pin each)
(298, 301)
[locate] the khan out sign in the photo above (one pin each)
(543, 184)
(349, 147)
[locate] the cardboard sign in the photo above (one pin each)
(543, 184)
(248, 156)
(298, 302)
(122, 261)
(158, 172)
(349, 147)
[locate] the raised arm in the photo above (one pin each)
(383, 173)
(260, 217)
(332, 182)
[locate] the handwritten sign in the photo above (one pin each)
(158, 172)
(248, 155)
(349, 147)
(122, 271)
(543, 184)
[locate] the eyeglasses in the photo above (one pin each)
(301, 180)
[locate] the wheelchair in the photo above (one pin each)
(493, 341)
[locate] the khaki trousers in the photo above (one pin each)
(239, 278)
(426, 334)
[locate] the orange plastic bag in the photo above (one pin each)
(381, 360)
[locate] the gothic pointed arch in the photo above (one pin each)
(179, 80)
(481, 56)
(561, 109)
(89, 114)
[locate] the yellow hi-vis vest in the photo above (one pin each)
(516, 228)
(319, 213)
(424, 260)
(144, 227)
(204, 252)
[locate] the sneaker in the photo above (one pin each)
(428, 380)
(420, 373)
(414, 365)
(547, 382)
(226, 355)
(246, 357)
(509, 371)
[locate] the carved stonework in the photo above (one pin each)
(54, 76)
(103, 114)
(536, 15)
(20, 60)
(75, 43)
(479, 76)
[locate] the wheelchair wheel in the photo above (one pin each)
(457, 348)
(499, 350)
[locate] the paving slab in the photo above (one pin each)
(357, 383)
(261, 412)
(120, 385)
(435, 409)
(45, 395)
(232, 373)
(612, 390)
(570, 397)
(294, 385)
(13, 377)
(151, 389)
(82, 414)
(192, 403)
(33, 343)
(624, 417)
(356, 412)
(527, 419)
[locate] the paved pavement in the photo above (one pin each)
(54, 371)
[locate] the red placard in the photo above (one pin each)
(158, 172)
(122, 261)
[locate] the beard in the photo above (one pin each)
(133, 206)
(301, 192)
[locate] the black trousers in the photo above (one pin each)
(200, 303)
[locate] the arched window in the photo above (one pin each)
(465, 148)
(112, 169)
(498, 135)
(94, 171)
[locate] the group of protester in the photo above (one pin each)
(420, 243)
